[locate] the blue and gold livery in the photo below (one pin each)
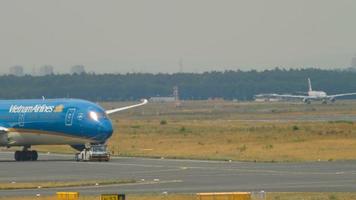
(73, 122)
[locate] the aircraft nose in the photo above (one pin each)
(107, 129)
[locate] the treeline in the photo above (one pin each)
(242, 85)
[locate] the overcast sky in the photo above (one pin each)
(152, 36)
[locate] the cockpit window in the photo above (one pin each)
(96, 116)
(102, 115)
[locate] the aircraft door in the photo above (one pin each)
(21, 119)
(69, 117)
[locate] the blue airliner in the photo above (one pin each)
(72, 122)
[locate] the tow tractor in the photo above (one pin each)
(93, 153)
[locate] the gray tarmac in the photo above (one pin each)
(178, 176)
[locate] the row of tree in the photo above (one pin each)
(242, 85)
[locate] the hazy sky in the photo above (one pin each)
(151, 36)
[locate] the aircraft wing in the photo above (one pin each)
(143, 102)
(287, 96)
(342, 95)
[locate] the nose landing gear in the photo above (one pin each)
(26, 155)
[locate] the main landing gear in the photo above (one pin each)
(26, 155)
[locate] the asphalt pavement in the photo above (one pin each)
(178, 176)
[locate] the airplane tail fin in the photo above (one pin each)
(309, 84)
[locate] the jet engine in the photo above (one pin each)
(307, 101)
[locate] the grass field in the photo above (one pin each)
(61, 184)
(237, 131)
(270, 196)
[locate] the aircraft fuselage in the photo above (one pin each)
(53, 121)
(317, 94)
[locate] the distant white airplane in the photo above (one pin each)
(312, 95)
